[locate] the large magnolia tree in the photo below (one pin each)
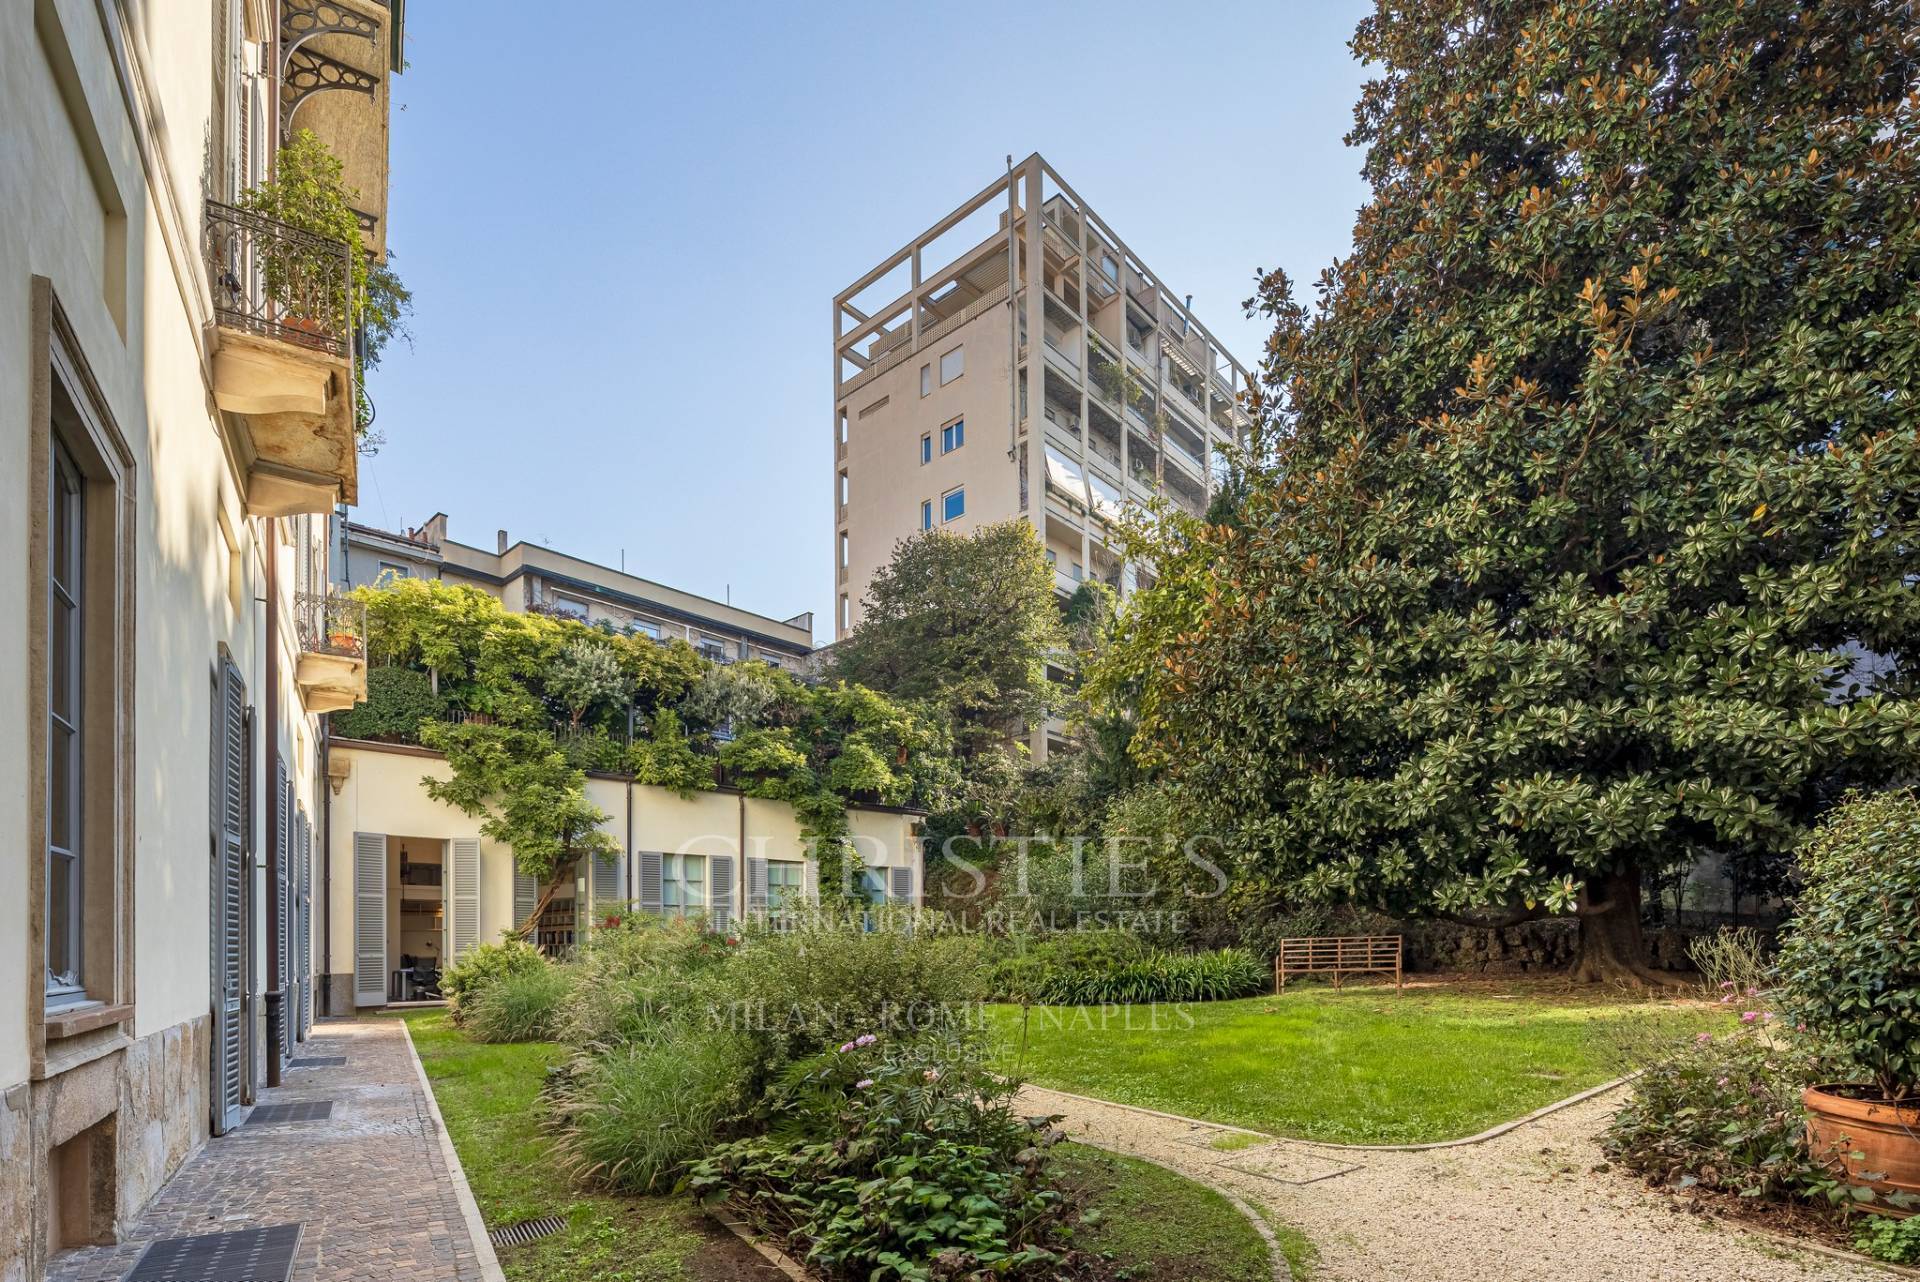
(1581, 536)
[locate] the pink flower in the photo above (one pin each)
(1748, 1016)
(1701, 1039)
(863, 1083)
(845, 1047)
(1724, 1000)
(865, 1039)
(1726, 983)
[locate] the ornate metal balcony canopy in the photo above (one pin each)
(302, 20)
(278, 281)
(307, 73)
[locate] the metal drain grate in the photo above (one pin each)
(274, 1114)
(250, 1255)
(528, 1230)
(320, 1061)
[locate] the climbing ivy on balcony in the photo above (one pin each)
(308, 190)
(527, 704)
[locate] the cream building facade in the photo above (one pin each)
(413, 882)
(174, 435)
(1090, 387)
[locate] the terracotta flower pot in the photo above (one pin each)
(1869, 1137)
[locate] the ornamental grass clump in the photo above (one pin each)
(522, 1006)
(465, 980)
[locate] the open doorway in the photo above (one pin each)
(416, 917)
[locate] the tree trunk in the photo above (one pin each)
(1612, 950)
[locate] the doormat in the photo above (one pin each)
(276, 1114)
(249, 1255)
(319, 1061)
(528, 1230)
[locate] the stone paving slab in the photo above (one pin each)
(369, 1182)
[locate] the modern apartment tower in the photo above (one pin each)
(946, 415)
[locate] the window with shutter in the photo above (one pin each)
(283, 928)
(650, 878)
(526, 898)
(756, 886)
(903, 885)
(721, 891)
(227, 1059)
(369, 919)
(609, 890)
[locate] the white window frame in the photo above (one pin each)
(960, 364)
(926, 448)
(953, 435)
(673, 873)
(926, 380)
(961, 492)
(926, 514)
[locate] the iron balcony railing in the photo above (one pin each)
(328, 623)
(278, 281)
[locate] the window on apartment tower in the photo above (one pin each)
(926, 448)
(843, 489)
(926, 380)
(953, 436)
(843, 549)
(926, 514)
(846, 612)
(952, 365)
(953, 504)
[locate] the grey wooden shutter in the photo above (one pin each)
(369, 919)
(303, 932)
(232, 826)
(720, 896)
(902, 889)
(650, 881)
(526, 898)
(464, 914)
(283, 931)
(609, 894)
(756, 886)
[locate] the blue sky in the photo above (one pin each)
(624, 231)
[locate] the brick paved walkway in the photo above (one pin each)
(369, 1184)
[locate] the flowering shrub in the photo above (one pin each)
(1724, 1113)
(896, 1158)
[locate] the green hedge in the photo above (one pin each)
(398, 700)
(1107, 968)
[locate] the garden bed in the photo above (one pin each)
(1360, 1066)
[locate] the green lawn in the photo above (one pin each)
(1158, 1226)
(489, 1097)
(1363, 1066)
(1165, 1227)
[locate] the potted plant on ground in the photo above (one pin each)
(1850, 974)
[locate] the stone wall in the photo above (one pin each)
(1532, 946)
(141, 1105)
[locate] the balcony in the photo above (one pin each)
(283, 358)
(332, 671)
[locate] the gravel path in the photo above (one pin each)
(1526, 1206)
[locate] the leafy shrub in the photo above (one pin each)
(631, 1114)
(1724, 1112)
(890, 1154)
(635, 977)
(519, 1007)
(1885, 1238)
(1850, 963)
(1107, 975)
(804, 991)
(398, 700)
(463, 982)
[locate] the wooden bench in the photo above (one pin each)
(1337, 955)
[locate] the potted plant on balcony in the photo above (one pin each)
(1850, 973)
(308, 191)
